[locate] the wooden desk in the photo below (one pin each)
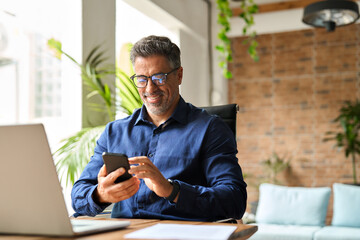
(242, 232)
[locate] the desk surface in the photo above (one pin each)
(242, 232)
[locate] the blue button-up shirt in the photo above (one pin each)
(193, 148)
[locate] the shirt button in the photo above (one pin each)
(151, 154)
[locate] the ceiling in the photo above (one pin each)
(234, 3)
(266, 6)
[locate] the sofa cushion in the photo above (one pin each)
(346, 205)
(336, 233)
(281, 232)
(292, 205)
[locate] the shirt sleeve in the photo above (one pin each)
(82, 191)
(225, 194)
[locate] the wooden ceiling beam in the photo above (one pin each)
(278, 6)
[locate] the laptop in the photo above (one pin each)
(31, 199)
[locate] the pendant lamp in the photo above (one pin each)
(331, 14)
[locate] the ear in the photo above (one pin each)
(179, 75)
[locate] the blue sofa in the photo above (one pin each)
(298, 213)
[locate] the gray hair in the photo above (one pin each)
(156, 45)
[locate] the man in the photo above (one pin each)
(183, 161)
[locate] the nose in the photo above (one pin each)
(151, 87)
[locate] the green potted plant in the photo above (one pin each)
(76, 150)
(273, 166)
(347, 138)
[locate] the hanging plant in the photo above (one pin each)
(225, 13)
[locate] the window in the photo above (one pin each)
(36, 86)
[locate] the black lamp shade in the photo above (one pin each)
(331, 13)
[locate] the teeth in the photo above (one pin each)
(153, 97)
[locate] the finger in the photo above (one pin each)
(117, 192)
(125, 195)
(111, 177)
(102, 171)
(142, 175)
(139, 160)
(139, 168)
(142, 165)
(125, 185)
(153, 176)
(130, 191)
(145, 173)
(149, 168)
(124, 190)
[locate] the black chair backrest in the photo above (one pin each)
(226, 112)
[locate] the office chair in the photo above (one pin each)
(226, 112)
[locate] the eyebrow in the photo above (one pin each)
(150, 75)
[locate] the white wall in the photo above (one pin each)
(195, 86)
(99, 18)
(271, 22)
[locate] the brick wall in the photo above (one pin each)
(288, 99)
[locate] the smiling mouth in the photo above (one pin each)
(153, 98)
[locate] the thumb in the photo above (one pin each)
(102, 172)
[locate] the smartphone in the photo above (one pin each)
(114, 161)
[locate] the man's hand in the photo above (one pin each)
(109, 192)
(153, 178)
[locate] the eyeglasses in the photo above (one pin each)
(158, 79)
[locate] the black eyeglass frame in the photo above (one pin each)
(147, 77)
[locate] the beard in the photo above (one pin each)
(161, 106)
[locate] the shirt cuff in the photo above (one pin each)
(187, 196)
(95, 207)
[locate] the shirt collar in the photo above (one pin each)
(179, 115)
(181, 112)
